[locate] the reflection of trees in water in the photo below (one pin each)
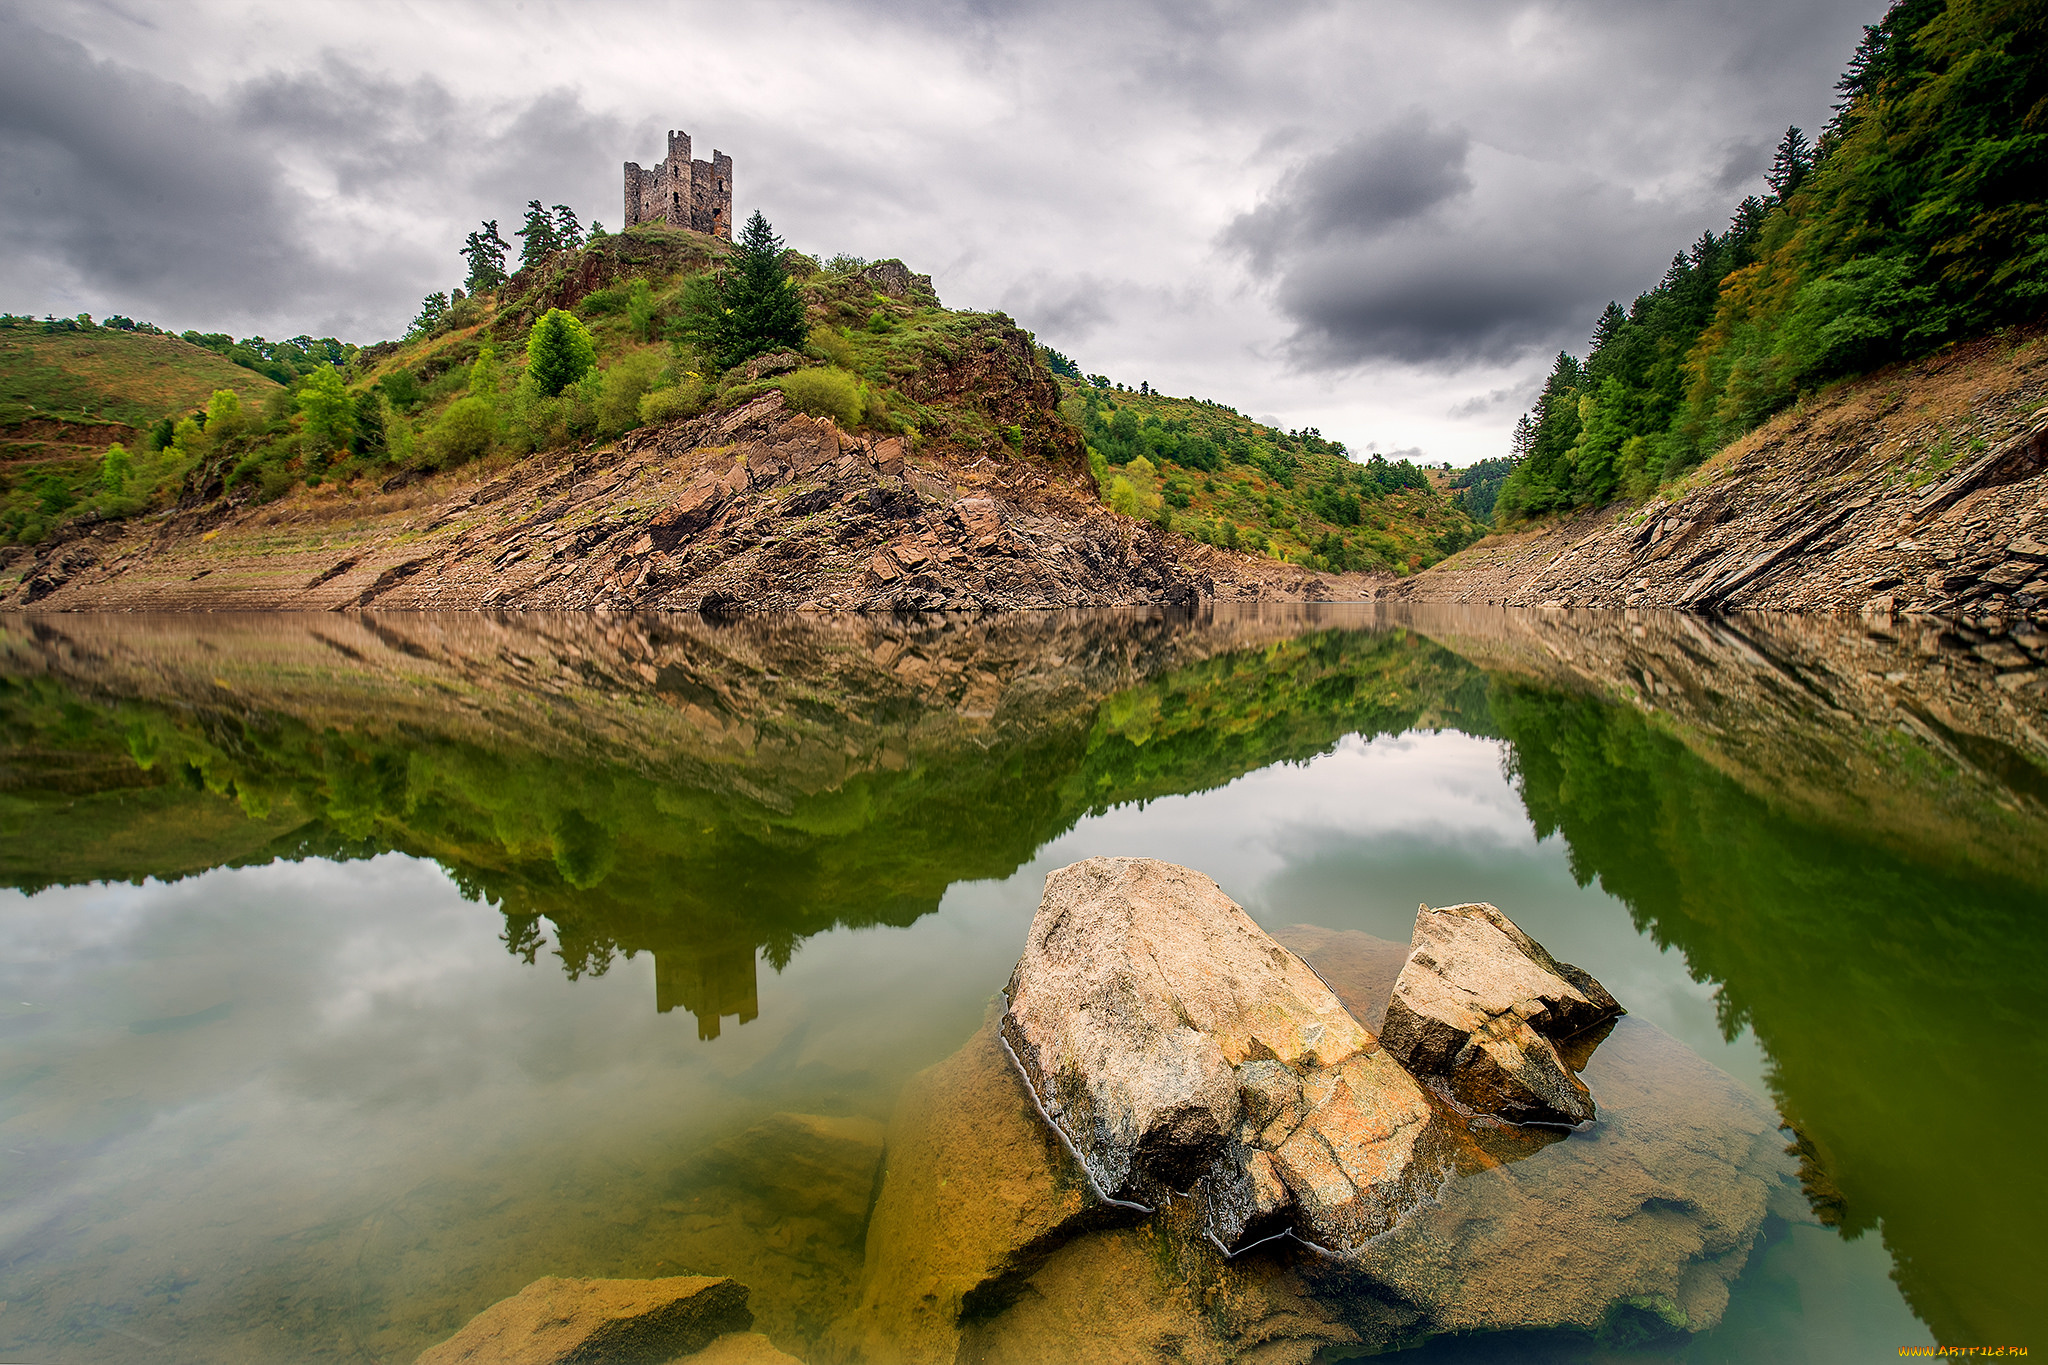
(1896, 1000)
(802, 776)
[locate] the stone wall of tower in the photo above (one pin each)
(681, 192)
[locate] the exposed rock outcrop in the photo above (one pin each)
(1922, 488)
(987, 1244)
(1482, 1006)
(1172, 1042)
(756, 509)
(556, 1321)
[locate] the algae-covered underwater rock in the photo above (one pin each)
(556, 1321)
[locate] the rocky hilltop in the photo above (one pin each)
(908, 457)
(1922, 488)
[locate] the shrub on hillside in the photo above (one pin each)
(622, 388)
(114, 468)
(463, 433)
(826, 392)
(675, 403)
(225, 418)
(559, 352)
(642, 314)
(330, 417)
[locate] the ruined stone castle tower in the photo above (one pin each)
(681, 192)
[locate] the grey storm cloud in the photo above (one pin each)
(1357, 190)
(131, 181)
(235, 206)
(1391, 249)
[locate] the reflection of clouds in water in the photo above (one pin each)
(1357, 838)
(1435, 788)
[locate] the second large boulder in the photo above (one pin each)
(1481, 1006)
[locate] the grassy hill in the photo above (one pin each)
(101, 375)
(884, 356)
(67, 395)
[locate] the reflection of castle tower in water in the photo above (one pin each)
(709, 984)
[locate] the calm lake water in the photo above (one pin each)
(357, 971)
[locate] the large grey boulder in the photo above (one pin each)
(1172, 1042)
(1482, 1006)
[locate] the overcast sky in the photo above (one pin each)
(1379, 219)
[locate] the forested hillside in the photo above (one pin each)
(1918, 218)
(1200, 468)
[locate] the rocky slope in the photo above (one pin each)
(1922, 488)
(756, 509)
(1929, 735)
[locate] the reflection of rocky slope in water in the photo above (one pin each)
(1845, 829)
(986, 1242)
(1929, 732)
(661, 783)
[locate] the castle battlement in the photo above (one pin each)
(682, 193)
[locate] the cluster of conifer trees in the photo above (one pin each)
(1920, 218)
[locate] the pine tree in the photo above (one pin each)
(754, 307)
(538, 234)
(485, 250)
(568, 232)
(1789, 168)
(432, 309)
(1612, 320)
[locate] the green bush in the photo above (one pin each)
(579, 405)
(330, 417)
(641, 313)
(538, 421)
(559, 352)
(673, 404)
(464, 432)
(603, 303)
(402, 387)
(623, 386)
(1123, 498)
(225, 419)
(825, 392)
(114, 469)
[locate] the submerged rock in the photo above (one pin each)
(556, 1321)
(1172, 1042)
(987, 1243)
(986, 1231)
(1481, 1005)
(976, 1192)
(1653, 1211)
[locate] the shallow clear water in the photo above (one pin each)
(361, 974)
